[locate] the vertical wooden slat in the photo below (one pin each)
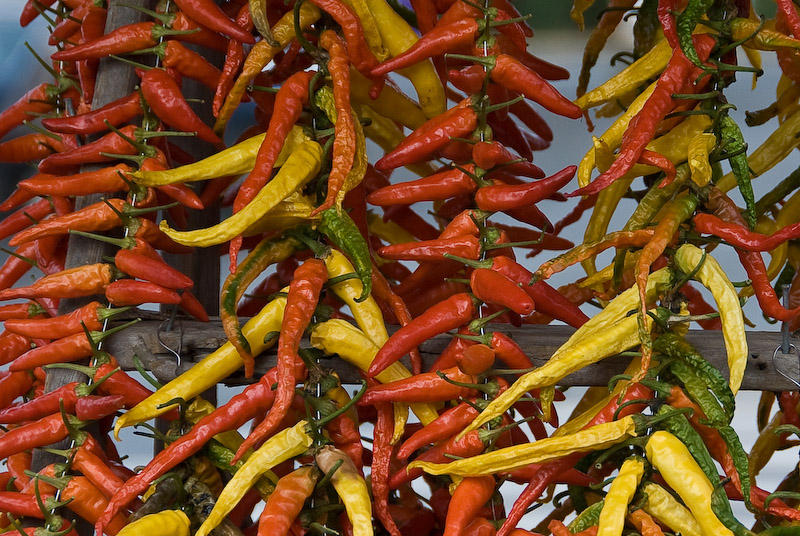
(114, 80)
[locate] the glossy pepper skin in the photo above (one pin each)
(165, 523)
(125, 292)
(117, 113)
(149, 269)
(507, 197)
(164, 96)
(449, 314)
(286, 502)
(208, 14)
(90, 315)
(73, 283)
(425, 387)
(493, 287)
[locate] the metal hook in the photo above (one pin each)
(786, 346)
(168, 325)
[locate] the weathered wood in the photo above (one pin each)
(198, 340)
(115, 79)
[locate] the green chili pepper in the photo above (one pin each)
(740, 460)
(731, 138)
(588, 518)
(674, 346)
(343, 232)
(722, 509)
(698, 391)
(686, 23)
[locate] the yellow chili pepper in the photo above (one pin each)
(754, 57)
(764, 38)
(366, 313)
(293, 210)
(546, 396)
(613, 136)
(283, 446)
(662, 505)
(301, 166)
(712, 276)
(579, 7)
(351, 487)
(234, 160)
(630, 78)
(212, 369)
(388, 231)
(699, 165)
(607, 202)
(778, 145)
(597, 437)
(337, 336)
(260, 55)
(620, 493)
(370, 28)
(681, 472)
(166, 523)
(204, 471)
(384, 131)
(392, 103)
(398, 37)
(583, 415)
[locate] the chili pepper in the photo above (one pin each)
(488, 155)
(301, 301)
(741, 237)
(285, 445)
(352, 345)
(475, 360)
(85, 500)
(92, 408)
(38, 100)
(164, 97)
(20, 504)
(211, 16)
(466, 246)
(13, 384)
(116, 113)
(732, 140)
(149, 269)
(450, 314)
(122, 40)
(19, 311)
(457, 122)
(25, 217)
(468, 498)
(425, 387)
(666, 509)
(167, 522)
(642, 126)
(341, 229)
(132, 292)
(30, 147)
(344, 146)
(188, 63)
(384, 293)
(44, 431)
(596, 437)
(674, 462)
(301, 165)
(286, 502)
(91, 316)
(104, 180)
(444, 37)
(493, 287)
(73, 283)
(234, 57)
(95, 217)
(440, 186)
(92, 152)
(381, 462)
(505, 197)
(12, 346)
(447, 424)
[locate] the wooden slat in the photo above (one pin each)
(199, 339)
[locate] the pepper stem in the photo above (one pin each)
(133, 211)
(500, 105)
(163, 18)
(136, 64)
(122, 243)
(327, 476)
(487, 263)
(478, 324)
(109, 312)
(83, 369)
(325, 420)
(20, 257)
(98, 336)
(489, 388)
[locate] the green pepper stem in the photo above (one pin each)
(470, 262)
(122, 243)
(325, 420)
(476, 325)
(488, 388)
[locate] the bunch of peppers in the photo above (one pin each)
(331, 239)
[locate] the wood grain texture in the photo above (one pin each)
(198, 340)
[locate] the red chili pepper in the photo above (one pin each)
(189, 63)
(494, 287)
(475, 359)
(149, 269)
(449, 423)
(93, 408)
(789, 12)
(433, 250)
(122, 40)
(13, 385)
(105, 180)
(698, 306)
(304, 291)
(457, 122)
(449, 314)
(505, 197)
(24, 217)
(91, 316)
(487, 155)
(384, 293)
(164, 96)
(678, 77)
(97, 217)
(240, 409)
(85, 500)
(443, 38)
(42, 406)
(93, 27)
(20, 504)
(381, 464)
(289, 102)
(73, 283)
(436, 187)
(96, 470)
(17, 311)
(742, 237)
(112, 143)
(45, 431)
(12, 346)
(131, 292)
(360, 54)
(425, 387)
(344, 141)
(207, 13)
(470, 495)
(38, 100)
(28, 148)
(117, 113)
(665, 11)
(234, 58)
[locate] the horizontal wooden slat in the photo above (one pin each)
(199, 339)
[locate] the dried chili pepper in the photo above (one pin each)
(76, 282)
(506, 197)
(125, 292)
